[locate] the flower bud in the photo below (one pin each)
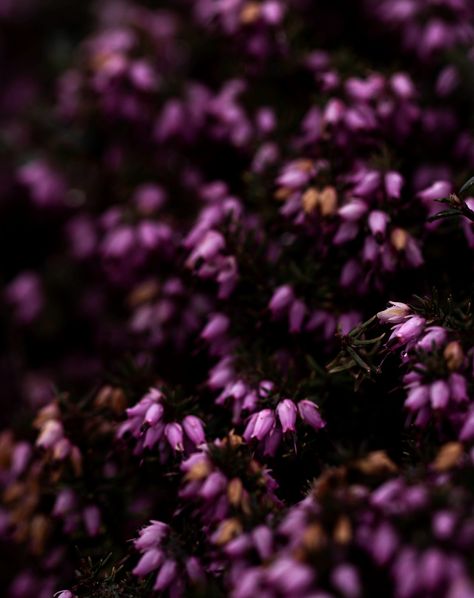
(378, 221)
(214, 485)
(353, 210)
(174, 434)
(439, 394)
(281, 299)
(453, 355)
(394, 314)
(410, 329)
(286, 411)
(194, 429)
(309, 413)
(217, 326)
(91, 517)
(150, 561)
(166, 575)
(393, 184)
(51, 433)
(154, 414)
(296, 316)
(264, 422)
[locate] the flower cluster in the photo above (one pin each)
(206, 207)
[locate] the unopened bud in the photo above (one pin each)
(314, 537)
(199, 471)
(399, 238)
(229, 529)
(448, 456)
(453, 355)
(234, 492)
(250, 13)
(343, 531)
(328, 201)
(39, 530)
(310, 200)
(282, 193)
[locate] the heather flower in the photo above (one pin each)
(174, 434)
(281, 299)
(409, 330)
(353, 210)
(25, 295)
(260, 424)
(296, 315)
(166, 575)
(395, 314)
(149, 270)
(309, 413)
(287, 411)
(92, 519)
(393, 184)
(216, 327)
(378, 223)
(194, 429)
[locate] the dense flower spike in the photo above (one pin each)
(237, 350)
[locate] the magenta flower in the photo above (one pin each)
(281, 299)
(439, 394)
(393, 184)
(264, 422)
(409, 330)
(287, 411)
(174, 435)
(194, 429)
(309, 413)
(150, 561)
(166, 575)
(216, 327)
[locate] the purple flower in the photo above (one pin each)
(25, 294)
(394, 314)
(194, 429)
(409, 330)
(297, 315)
(287, 411)
(166, 575)
(216, 327)
(150, 561)
(417, 398)
(467, 431)
(281, 299)
(151, 536)
(353, 210)
(435, 336)
(378, 223)
(214, 485)
(439, 394)
(290, 577)
(458, 387)
(154, 414)
(384, 543)
(263, 540)
(174, 434)
(264, 422)
(393, 184)
(50, 434)
(64, 503)
(309, 413)
(437, 190)
(346, 579)
(195, 570)
(92, 519)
